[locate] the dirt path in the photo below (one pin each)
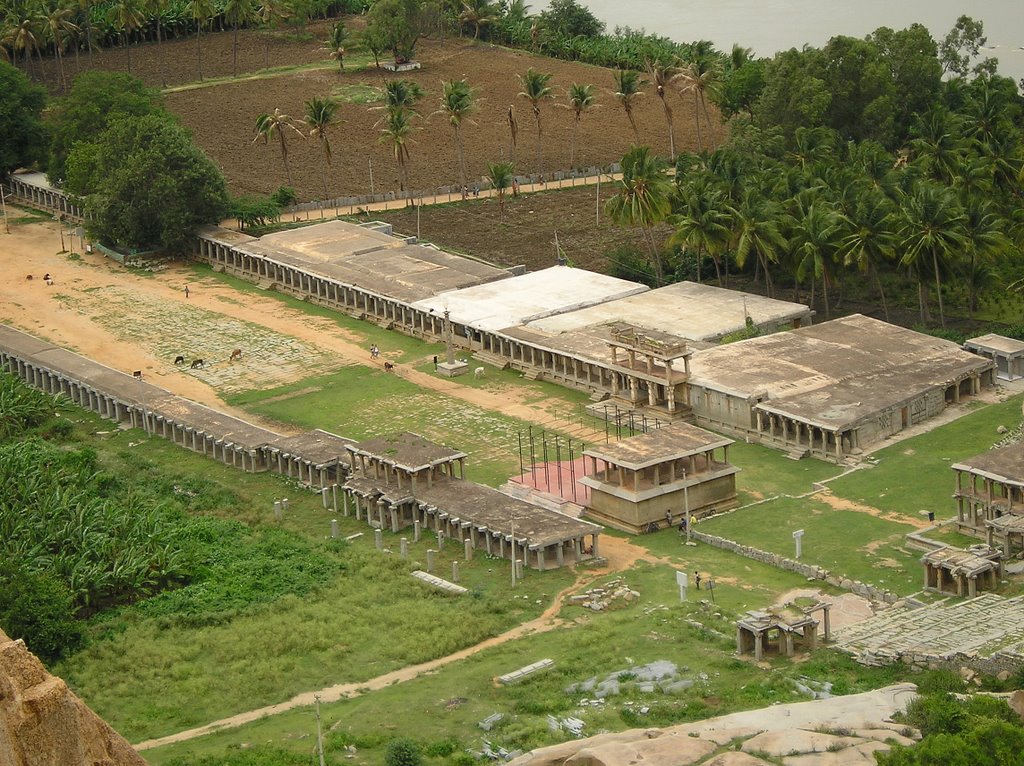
(133, 322)
(842, 504)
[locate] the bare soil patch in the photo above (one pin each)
(842, 504)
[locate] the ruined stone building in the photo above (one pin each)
(989, 497)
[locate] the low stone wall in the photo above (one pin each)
(807, 570)
(998, 665)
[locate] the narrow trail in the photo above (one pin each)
(547, 621)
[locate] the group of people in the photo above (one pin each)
(374, 352)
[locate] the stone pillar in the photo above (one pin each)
(416, 531)
(468, 544)
(455, 571)
(440, 540)
(325, 493)
(284, 504)
(758, 646)
(277, 510)
(394, 520)
(827, 621)
(344, 502)
(378, 539)
(519, 569)
(430, 560)
(404, 547)
(334, 528)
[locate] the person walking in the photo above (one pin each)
(186, 292)
(696, 579)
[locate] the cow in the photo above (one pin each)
(478, 372)
(179, 359)
(236, 354)
(389, 367)
(196, 363)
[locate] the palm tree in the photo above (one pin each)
(703, 223)
(237, 13)
(500, 174)
(870, 237)
(319, 117)
(58, 27)
(628, 88)
(401, 94)
(984, 233)
(397, 131)
(278, 123)
(936, 146)
(816, 238)
(335, 43)
(700, 76)
(479, 13)
(201, 11)
(536, 90)
(932, 229)
(85, 6)
(663, 74)
(270, 13)
(458, 102)
(581, 98)
(126, 16)
(156, 9)
(21, 31)
(757, 229)
(643, 199)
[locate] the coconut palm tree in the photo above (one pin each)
(270, 14)
(663, 73)
(629, 87)
(156, 9)
(57, 28)
(700, 76)
(457, 103)
(237, 13)
(757, 229)
(278, 124)
(401, 94)
(870, 237)
(397, 131)
(643, 199)
(500, 174)
(816, 239)
(536, 90)
(581, 99)
(335, 43)
(201, 12)
(986, 239)
(932, 229)
(319, 117)
(479, 13)
(126, 16)
(21, 31)
(703, 223)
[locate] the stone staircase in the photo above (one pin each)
(985, 626)
(492, 359)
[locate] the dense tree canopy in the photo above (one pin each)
(145, 184)
(398, 25)
(96, 99)
(22, 138)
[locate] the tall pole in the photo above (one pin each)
(369, 161)
(598, 205)
(3, 202)
(686, 505)
(319, 733)
(513, 548)
(449, 351)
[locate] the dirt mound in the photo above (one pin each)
(43, 724)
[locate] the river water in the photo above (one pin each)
(768, 26)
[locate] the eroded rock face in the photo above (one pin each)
(43, 724)
(841, 731)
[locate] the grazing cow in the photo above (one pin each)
(478, 372)
(197, 363)
(29, 277)
(179, 359)
(389, 367)
(236, 354)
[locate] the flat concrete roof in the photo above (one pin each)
(1004, 464)
(689, 310)
(834, 374)
(998, 343)
(34, 178)
(227, 237)
(517, 300)
(372, 260)
(408, 451)
(659, 446)
(317, 446)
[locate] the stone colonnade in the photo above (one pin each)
(795, 434)
(45, 198)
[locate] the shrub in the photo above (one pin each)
(38, 608)
(402, 751)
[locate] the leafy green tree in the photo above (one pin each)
(143, 183)
(237, 13)
(568, 19)
(38, 608)
(581, 99)
(402, 751)
(320, 117)
(794, 95)
(21, 105)
(95, 100)
(399, 24)
(863, 103)
(501, 175)
(457, 103)
(252, 211)
(280, 125)
(961, 45)
(628, 88)
(912, 58)
(643, 199)
(536, 90)
(742, 84)
(335, 43)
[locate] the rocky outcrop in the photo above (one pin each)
(43, 724)
(840, 731)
